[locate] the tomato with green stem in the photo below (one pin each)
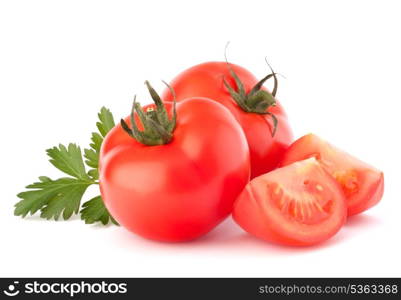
(297, 205)
(256, 109)
(168, 173)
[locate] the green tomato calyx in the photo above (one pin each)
(256, 100)
(158, 128)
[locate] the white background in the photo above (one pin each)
(60, 61)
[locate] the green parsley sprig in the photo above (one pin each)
(63, 196)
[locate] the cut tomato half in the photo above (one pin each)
(362, 184)
(299, 205)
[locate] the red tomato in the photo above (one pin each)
(363, 185)
(207, 80)
(182, 189)
(297, 205)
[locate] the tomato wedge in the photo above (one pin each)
(363, 185)
(298, 205)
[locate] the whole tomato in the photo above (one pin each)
(260, 115)
(172, 172)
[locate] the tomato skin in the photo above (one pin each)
(345, 168)
(257, 209)
(180, 190)
(206, 80)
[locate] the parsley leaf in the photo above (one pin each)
(62, 197)
(68, 160)
(95, 211)
(32, 200)
(92, 155)
(52, 197)
(104, 125)
(106, 121)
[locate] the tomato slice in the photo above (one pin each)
(363, 185)
(299, 205)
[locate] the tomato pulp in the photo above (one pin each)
(363, 185)
(297, 205)
(207, 80)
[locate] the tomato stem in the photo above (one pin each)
(157, 127)
(256, 100)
